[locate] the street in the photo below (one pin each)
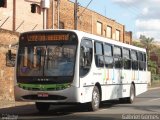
(145, 106)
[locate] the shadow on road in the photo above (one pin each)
(56, 110)
(60, 112)
(72, 112)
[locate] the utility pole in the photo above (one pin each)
(53, 12)
(58, 15)
(45, 4)
(14, 15)
(75, 14)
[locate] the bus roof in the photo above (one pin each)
(94, 37)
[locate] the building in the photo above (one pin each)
(88, 21)
(24, 19)
(29, 16)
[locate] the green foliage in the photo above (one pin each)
(152, 66)
(138, 44)
(147, 43)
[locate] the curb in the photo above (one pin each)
(154, 88)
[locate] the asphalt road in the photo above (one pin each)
(146, 106)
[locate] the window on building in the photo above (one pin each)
(99, 28)
(117, 35)
(109, 32)
(3, 3)
(99, 59)
(35, 8)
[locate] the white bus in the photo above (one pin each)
(68, 66)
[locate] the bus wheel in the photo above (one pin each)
(132, 95)
(95, 99)
(42, 107)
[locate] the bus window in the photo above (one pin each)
(108, 56)
(144, 61)
(126, 58)
(140, 60)
(134, 60)
(86, 54)
(99, 55)
(118, 57)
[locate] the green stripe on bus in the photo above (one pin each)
(44, 87)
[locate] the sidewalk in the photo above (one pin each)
(154, 86)
(7, 104)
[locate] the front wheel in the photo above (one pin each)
(42, 107)
(95, 99)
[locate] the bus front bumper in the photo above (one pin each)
(68, 95)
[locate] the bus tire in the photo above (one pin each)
(95, 103)
(42, 107)
(132, 95)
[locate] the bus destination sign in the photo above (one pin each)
(47, 37)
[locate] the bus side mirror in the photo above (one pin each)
(10, 59)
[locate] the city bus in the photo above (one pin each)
(70, 66)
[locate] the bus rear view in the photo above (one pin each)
(45, 67)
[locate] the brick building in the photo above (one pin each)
(89, 21)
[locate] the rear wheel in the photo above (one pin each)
(95, 99)
(42, 107)
(132, 95)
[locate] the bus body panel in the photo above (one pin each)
(114, 83)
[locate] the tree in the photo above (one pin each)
(147, 43)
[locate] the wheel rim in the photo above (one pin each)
(95, 99)
(132, 95)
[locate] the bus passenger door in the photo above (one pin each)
(85, 61)
(117, 72)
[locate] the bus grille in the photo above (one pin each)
(50, 97)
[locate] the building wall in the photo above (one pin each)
(6, 73)
(25, 20)
(128, 37)
(87, 21)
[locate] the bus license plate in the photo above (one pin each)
(42, 94)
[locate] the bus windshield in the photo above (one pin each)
(46, 60)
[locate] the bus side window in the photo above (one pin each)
(126, 59)
(140, 60)
(118, 57)
(99, 59)
(134, 60)
(144, 61)
(86, 53)
(108, 56)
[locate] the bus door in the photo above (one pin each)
(85, 61)
(117, 72)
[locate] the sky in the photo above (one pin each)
(142, 17)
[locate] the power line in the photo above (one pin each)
(85, 8)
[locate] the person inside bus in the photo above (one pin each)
(38, 56)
